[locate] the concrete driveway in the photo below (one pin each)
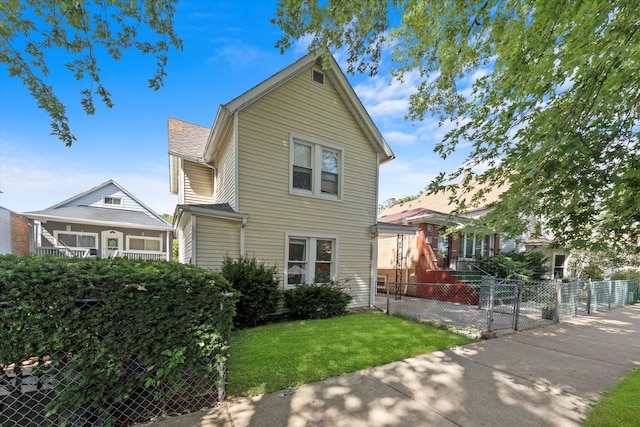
(549, 376)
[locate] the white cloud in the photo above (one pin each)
(32, 182)
(234, 53)
(400, 178)
(400, 138)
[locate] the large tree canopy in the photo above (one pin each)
(553, 113)
(85, 30)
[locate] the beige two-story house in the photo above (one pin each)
(288, 173)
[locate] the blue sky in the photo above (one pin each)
(228, 49)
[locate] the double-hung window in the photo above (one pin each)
(310, 259)
(316, 170)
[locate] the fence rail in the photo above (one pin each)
(496, 304)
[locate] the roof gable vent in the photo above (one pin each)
(317, 76)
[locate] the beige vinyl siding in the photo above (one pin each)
(186, 242)
(216, 239)
(307, 109)
(226, 174)
(198, 180)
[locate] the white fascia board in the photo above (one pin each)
(222, 121)
(360, 113)
(391, 228)
(231, 216)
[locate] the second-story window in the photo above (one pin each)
(316, 170)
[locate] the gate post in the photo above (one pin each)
(517, 305)
(388, 303)
(492, 290)
(589, 297)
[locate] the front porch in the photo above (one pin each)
(64, 252)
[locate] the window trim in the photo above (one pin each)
(114, 198)
(311, 239)
(484, 249)
(158, 239)
(56, 239)
(316, 168)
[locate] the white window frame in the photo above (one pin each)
(311, 242)
(484, 250)
(316, 169)
(158, 239)
(113, 198)
(56, 233)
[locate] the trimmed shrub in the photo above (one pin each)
(317, 301)
(258, 287)
(127, 326)
(515, 265)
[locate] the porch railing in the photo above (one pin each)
(157, 256)
(63, 252)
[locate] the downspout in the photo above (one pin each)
(244, 222)
(169, 247)
(194, 240)
(374, 268)
(374, 239)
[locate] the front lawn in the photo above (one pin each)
(276, 356)
(619, 406)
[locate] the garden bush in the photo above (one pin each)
(317, 300)
(529, 265)
(258, 287)
(126, 326)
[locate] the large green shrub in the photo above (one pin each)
(529, 265)
(116, 326)
(317, 301)
(628, 274)
(258, 287)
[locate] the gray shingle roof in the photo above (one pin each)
(224, 207)
(186, 139)
(89, 213)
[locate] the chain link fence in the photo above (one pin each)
(29, 389)
(475, 309)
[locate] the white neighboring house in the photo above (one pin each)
(288, 174)
(105, 221)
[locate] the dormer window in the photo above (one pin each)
(113, 201)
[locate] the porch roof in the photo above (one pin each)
(99, 216)
(387, 228)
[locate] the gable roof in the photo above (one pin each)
(440, 202)
(187, 140)
(199, 143)
(99, 215)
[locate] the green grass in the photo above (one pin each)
(620, 406)
(276, 356)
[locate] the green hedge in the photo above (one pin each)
(317, 301)
(258, 287)
(109, 315)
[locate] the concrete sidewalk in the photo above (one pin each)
(543, 377)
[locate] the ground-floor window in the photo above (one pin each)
(76, 239)
(310, 259)
(477, 244)
(558, 266)
(141, 243)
